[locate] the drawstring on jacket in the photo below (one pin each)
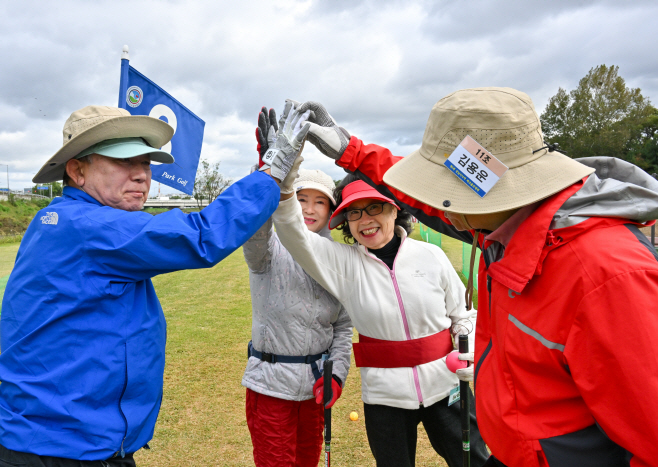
(469, 285)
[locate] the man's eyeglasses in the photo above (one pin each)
(371, 209)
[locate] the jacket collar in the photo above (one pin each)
(79, 195)
(525, 250)
(399, 231)
(505, 232)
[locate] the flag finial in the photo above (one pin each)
(124, 55)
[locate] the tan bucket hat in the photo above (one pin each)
(503, 121)
(95, 123)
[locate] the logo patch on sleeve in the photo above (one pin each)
(50, 218)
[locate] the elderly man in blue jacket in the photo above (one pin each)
(83, 332)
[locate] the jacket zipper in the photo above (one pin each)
(481, 361)
(489, 293)
(488, 348)
(404, 316)
(406, 330)
(123, 391)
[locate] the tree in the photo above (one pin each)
(601, 117)
(209, 183)
(643, 148)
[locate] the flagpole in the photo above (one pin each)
(123, 83)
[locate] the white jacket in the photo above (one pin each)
(431, 299)
(291, 315)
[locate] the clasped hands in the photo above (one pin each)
(280, 145)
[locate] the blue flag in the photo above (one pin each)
(141, 96)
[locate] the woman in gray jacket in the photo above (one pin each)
(296, 324)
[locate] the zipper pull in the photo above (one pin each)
(123, 453)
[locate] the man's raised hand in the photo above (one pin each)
(293, 128)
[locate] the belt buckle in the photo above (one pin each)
(268, 357)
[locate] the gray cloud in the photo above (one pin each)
(378, 66)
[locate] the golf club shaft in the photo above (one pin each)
(328, 395)
(465, 405)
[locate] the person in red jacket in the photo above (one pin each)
(565, 366)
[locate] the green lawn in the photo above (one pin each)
(7, 257)
(16, 216)
(202, 420)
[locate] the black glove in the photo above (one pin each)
(264, 137)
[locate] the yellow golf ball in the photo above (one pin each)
(354, 416)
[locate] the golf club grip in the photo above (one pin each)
(465, 409)
(328, 371)
(328, 394)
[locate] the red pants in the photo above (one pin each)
(284, 433)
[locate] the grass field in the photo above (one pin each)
(202, 421)
(16, 216)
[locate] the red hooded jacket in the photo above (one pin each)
(566, 369)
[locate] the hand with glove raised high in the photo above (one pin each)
(289, 143)
(265, 132)
(324, 133)
(336, 389)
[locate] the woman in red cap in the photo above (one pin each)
(403, 297)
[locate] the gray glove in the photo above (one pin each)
(324, 133)
(293, 127)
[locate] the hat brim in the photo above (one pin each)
(433, 184)
(338, 216)
(310, 185)
(127, 148)
(156, 132)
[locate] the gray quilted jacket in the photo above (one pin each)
(292, 315)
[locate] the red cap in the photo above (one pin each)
(353, 192)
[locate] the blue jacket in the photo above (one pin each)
(83, 333)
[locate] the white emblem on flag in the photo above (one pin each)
(134, 96)
(50, 218)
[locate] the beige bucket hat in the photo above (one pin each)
(315, 180)
(503, 121)
(93, 124)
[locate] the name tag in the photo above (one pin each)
(454, 396)
(269, 156)
(475, 166)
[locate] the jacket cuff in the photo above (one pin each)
(286, 210)
(352, 150)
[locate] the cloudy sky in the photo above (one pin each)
(378, 66)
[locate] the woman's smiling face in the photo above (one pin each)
(373, 232)
(316, 208)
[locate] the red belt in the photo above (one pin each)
(378, 353)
